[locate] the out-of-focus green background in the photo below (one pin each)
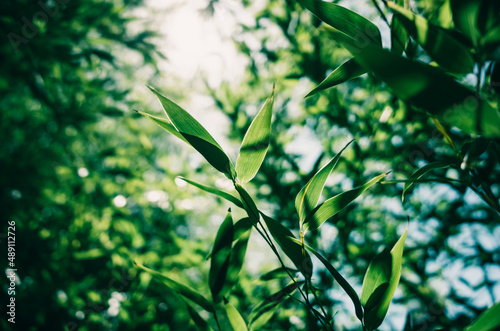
(91, 185)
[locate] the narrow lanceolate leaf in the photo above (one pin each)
(182, 289)
(221, 254)
(278, 273)
(263, 311)
(200, 323)
(345, 20)
(213, 190)
(439, 44)
(164, 124)
(399, 35)
(255, 143)
(426, 87)
(309, 195)
(332, 206)
(346, 71)
(197, 136)
(465, 18)
(340, 279)
(241, 231)
(421, 172)
(293, 249)
(382, 292)
(487, 321)
(234, 316)
(249, 205)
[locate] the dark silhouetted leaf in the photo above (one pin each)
(277, 273)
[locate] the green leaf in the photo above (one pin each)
(345, 20)
(165, 124)
(234, 316)
(213, 190)
(340, 279)
(221, 254)
(379, 305)
(200, 323)
(346, 71)
(487, 321)
(439, 44)
(378, 273)
(241, 231)
(278, 273)
(332, 206)
(399, 35)
(255, 143)
(426, 87)
(294, 250)
(263, 311)
(465, 18)
(421, 172)
(249, 205)
(309, 195)
(197, 136)
(182, 289)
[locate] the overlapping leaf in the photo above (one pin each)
(426, 87)
(399, 35)
(164, 124)
(213, 190)
(309, 195)
(197, 136)
(346, 71)
(439, 44)
(221, 255)
(333, 205)
(421, 172)
(200, 323)
(182, 289)
(249, 205)
(294, 250)
(235, 319)
(255, 143)
(380, 283)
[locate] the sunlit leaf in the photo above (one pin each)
(346, 71)
(255, 143)
(376, 308)
(345, 20)
(213, 190)
(332, 206)
(197, 136)
(164, 124)
(221, 254)
(182, 289)
(399, 35)
(284, 237)
(488, 321)
(309, 195)
(340, 279)
(439, 44)
(421, 172)
(426, 87)
(234, 316)
(263, 311)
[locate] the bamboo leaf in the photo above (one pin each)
(164, 124)
(340, 279)
(465, 18)
(197, 136)
(374, 316)
(332, 206)
(378, 273)
(426, 87)
(399, 35)
(421, 172)
(285, 239)
(487, 321)
(309, 195)
(255, 143)
(221, 254)
(182, 289)
(277, 273)
(345, 20)
(249, 205)
(241, 231)
(439, 44)
(213, 190)
(234, 316)
(263, 311)
(346, 71)
(200, 323)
